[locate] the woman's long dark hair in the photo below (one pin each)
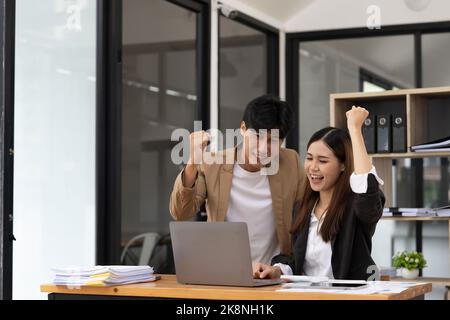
(339, 142)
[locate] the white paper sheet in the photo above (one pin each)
(374, 287)
(304, 279)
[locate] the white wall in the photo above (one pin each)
(339, 14)
(254, 11)
(54, 161)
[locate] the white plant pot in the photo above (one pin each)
(410, 274)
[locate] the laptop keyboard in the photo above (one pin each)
(262, 282)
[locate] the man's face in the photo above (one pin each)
(261, 147)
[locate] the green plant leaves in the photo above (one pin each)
(409, 260)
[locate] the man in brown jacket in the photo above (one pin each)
(239, 187)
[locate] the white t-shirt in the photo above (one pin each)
(251, 202)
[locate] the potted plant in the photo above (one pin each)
(410, 263)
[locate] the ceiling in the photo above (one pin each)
(281, 10)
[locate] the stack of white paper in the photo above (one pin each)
(409, 212)
(443, 211)
(103, 275)
(387, 212)
(441, 145)
(417, 212)
(129, 274)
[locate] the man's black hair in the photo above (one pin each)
(269, 112)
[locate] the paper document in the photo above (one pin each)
(373, 287)
(304, 279)
(102, 275)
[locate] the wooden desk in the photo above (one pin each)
(168, 287)
(434, 281)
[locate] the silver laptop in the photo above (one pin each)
(214, 253)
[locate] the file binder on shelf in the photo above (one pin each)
(384, 134)
(369, 133)
(399, 134)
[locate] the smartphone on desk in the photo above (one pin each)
(342, 285)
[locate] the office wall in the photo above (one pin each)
(340, 14)
(257, 10)
(54, 172)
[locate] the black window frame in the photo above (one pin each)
(369, 76)
(109, 114)
(272, 51)
(7, 57)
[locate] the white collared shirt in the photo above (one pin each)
(318, 252)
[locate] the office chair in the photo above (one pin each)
(149, 241)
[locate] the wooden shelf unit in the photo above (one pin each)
(417, 218)
(410, 155)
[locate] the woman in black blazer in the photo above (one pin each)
(334, 223)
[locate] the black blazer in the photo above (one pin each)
(352, 245)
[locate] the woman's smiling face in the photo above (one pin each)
(322, 167)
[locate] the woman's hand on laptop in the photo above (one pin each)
(262, 271)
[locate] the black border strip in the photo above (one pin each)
(6, 205)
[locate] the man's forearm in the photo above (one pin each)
(190, 175)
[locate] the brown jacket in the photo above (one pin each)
(213, 185)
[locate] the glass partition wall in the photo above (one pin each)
(159, 95)
(351, 62)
